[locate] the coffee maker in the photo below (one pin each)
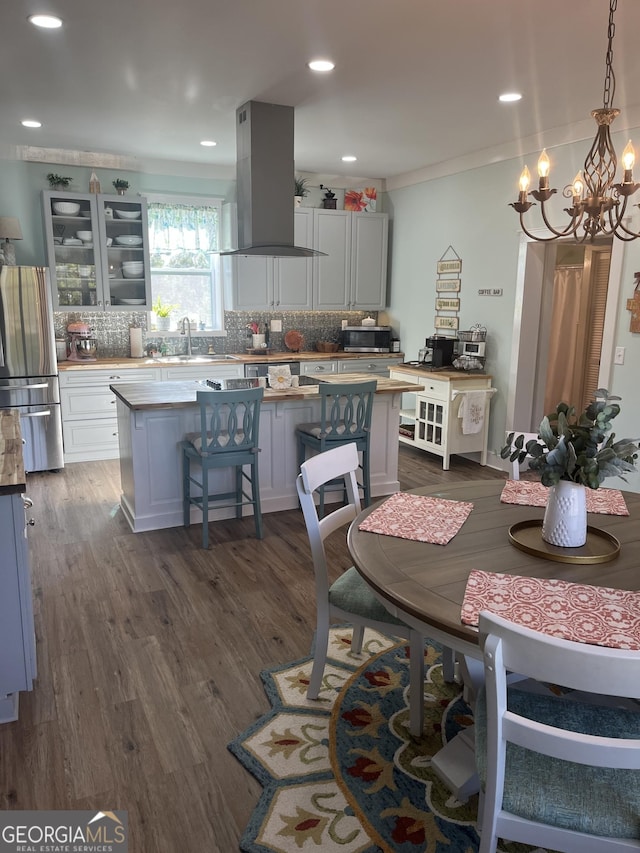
(438, 351)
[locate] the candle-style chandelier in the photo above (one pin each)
(598, 205)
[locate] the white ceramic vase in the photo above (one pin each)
(163, 324)
(258, 341)
(565, 518)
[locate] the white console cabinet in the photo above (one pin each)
(434, 413)
(17, 635)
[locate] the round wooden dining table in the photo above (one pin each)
(424, 584)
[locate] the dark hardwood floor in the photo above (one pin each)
(149, 652)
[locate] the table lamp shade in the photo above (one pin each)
(9, 230)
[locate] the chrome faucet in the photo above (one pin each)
(186, 330)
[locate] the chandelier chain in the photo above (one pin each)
(610, 77)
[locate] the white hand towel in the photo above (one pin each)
(472, 411)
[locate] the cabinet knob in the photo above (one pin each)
(31, 522)
(115, 377)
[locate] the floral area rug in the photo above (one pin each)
(343, 773)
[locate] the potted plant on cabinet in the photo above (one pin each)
(300, 190)
(121, 186)
(571, 454)
(58, 182)
(163, 311)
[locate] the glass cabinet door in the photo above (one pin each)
(72, 244)
(125, 261)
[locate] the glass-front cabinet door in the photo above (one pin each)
(97, 249)
(71, 228)
(125, 256)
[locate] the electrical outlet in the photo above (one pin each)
(276, 325)
(618, 358)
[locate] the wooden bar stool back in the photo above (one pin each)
(228, 438)
(345, 418)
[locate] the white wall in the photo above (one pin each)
(470, 211)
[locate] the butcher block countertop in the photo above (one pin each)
(12, 476)
(239, 358)
(441, 373)
(139, 396)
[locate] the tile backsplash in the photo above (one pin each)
(111, 328)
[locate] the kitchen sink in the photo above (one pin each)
(191, 359)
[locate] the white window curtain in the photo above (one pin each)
(180, 227)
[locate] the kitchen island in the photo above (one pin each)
(153, 417)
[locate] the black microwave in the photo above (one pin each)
(366, 339)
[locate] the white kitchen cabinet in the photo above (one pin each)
(377, 366)
(215, 370)
(332, 274)
(353, 275)
(91, 275)
(89, 419)
(435, 416)
(369, 248)
(272, 284)
(17, 633)
(318, 368)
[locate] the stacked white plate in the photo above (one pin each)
(128, 240)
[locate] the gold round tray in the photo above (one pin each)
(600, 547)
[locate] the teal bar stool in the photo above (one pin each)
(228, 438)
(345, 418)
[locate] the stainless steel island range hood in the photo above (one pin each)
(265, 181)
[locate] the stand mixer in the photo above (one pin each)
(82, 346)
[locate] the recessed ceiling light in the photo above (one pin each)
(28, 122)
(508, 97)
(48, 22)
(208, 143)
(321, 65)
(349, 159)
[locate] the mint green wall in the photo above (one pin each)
(470, 211)
(21, 185)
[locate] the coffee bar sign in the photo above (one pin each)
(490, 291)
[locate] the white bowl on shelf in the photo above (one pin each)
(133, 269)
(66, 208)
(126, 214)
(85, 236)
(128, 240)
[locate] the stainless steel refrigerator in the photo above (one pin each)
(28, 366)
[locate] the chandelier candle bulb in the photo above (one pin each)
(544, 167)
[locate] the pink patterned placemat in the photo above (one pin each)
(425, 519)
(531, 493)
(597, 615)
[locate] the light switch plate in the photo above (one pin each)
(276, 325)
(618, 358)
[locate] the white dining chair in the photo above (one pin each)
(557, 771)
(349, 599)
